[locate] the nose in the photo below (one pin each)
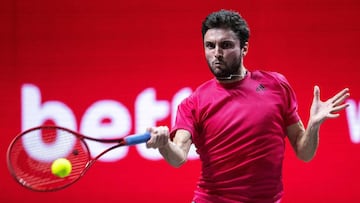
(218, 52)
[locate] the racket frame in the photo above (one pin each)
(124, 141)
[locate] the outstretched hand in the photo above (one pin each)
(322, 110)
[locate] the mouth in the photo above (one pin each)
(218, 63)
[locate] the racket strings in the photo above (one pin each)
(32, 154)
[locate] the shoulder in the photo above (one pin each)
(270, 77)
(206, 85)
(202, 90)
(205, 88)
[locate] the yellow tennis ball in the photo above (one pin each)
(61, 167)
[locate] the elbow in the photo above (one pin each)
(306, 153)
(306, 157)
(177, 164)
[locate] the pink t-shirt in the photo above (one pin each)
(239, 130)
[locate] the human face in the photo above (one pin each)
(223, 53)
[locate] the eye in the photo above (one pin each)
(209, 45)
(227, 45)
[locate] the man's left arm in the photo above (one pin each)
(305, 141)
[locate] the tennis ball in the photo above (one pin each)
(61, 167)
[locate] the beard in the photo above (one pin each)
(223, 69)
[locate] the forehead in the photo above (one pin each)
(220, 34)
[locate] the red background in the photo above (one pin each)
(79, 52)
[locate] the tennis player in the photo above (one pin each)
(239, 120)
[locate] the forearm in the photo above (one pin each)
(174, 151)
(173, 154)
(308, 142)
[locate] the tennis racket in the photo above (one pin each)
(32, 152)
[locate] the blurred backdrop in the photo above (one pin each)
(108, 68)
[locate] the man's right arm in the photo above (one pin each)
(174, 152)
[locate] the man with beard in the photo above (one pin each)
(239, 120)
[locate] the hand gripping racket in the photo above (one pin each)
(31, 154)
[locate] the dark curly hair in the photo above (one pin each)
(227, 19)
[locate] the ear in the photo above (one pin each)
(245, 49)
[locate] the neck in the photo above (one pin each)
(233, 77)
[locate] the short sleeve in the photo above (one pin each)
(291, 115)
(185, 116)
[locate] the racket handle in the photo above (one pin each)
(137, 139)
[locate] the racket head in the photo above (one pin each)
(32, 152)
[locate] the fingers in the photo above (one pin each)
(336, 100)
(316, 93)
(330, 108)
(339, 108)
(159, 137)
(337, 103)
(340, 97)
